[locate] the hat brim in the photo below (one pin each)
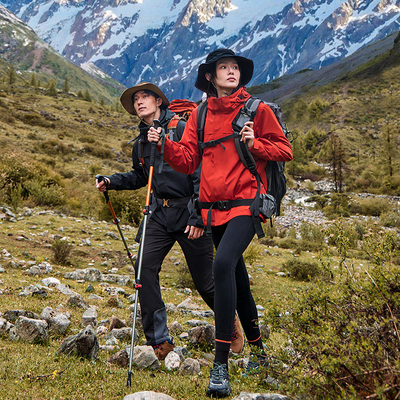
(246, 67)
(126, 97)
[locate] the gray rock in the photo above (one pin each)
(88, 274)
(182, 352)
(117, 279)
(64, 289)
(116, 323)
(76, 300)
(83, 344)
(144, 357)
(120, 358)
(95, 297)
(202, 335)
(12, 315)
(28, 290)
(58, 322)
(190, 367)
(195, 322)
(172, 361)
(175, 327)
(123, 334)
(260, 396)
(148, 396)
(90, 317)
(5, 327)
(188, 304)
(32, 330)
(50, 282)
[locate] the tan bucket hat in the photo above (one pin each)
(126, 97)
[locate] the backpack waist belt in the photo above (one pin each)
(173, 203)
(222, 205)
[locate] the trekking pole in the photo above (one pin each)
(100, 178)
(138, 285)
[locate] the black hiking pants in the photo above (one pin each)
(232, 285)
(199, 257)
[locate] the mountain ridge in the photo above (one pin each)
(131, 42)
(22, 49)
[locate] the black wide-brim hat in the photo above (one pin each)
(126, 96)
(246, 67)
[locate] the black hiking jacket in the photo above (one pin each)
(167, 184)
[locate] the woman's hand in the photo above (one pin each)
(154, 135)
(248, 134)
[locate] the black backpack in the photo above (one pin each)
(275, 170)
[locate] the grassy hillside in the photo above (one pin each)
(350, 125)
(53, 146)
(23, 50)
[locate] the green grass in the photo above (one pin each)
(36, 372)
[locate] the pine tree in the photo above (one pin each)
(33, 82)
(390, 147)
(337, 159)
(86, 96)
(65, 88)
(52, 90)
(12, 76)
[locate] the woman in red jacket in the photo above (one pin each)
(224, 177)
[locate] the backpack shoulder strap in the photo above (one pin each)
(247, 113)
(201, 121)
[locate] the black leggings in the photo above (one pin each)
(232, 286)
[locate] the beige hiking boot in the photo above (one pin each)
(161, 350)
(237, 343)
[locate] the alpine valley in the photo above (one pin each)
(164, 41)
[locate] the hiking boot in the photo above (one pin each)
(256, 364)
(219, 381)
(161, 350)
(237, 343)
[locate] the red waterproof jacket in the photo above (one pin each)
(223, 175)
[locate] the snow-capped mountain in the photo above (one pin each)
(164, 41)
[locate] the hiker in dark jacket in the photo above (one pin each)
(172, 217)
(225, 185)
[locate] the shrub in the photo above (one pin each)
(340, 231)
(342, 339)
(23, 180)
(338, 206)
(252, 253)
(316, 107)
(312, 233)
(127, 205)
(302, 270)
(374, 206)
(61, 251)
(35, 120)
(98, 151)
(45, 194)
(390, 219)
(53, 146)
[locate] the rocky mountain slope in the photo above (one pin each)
(165, 41)
(22, 49)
